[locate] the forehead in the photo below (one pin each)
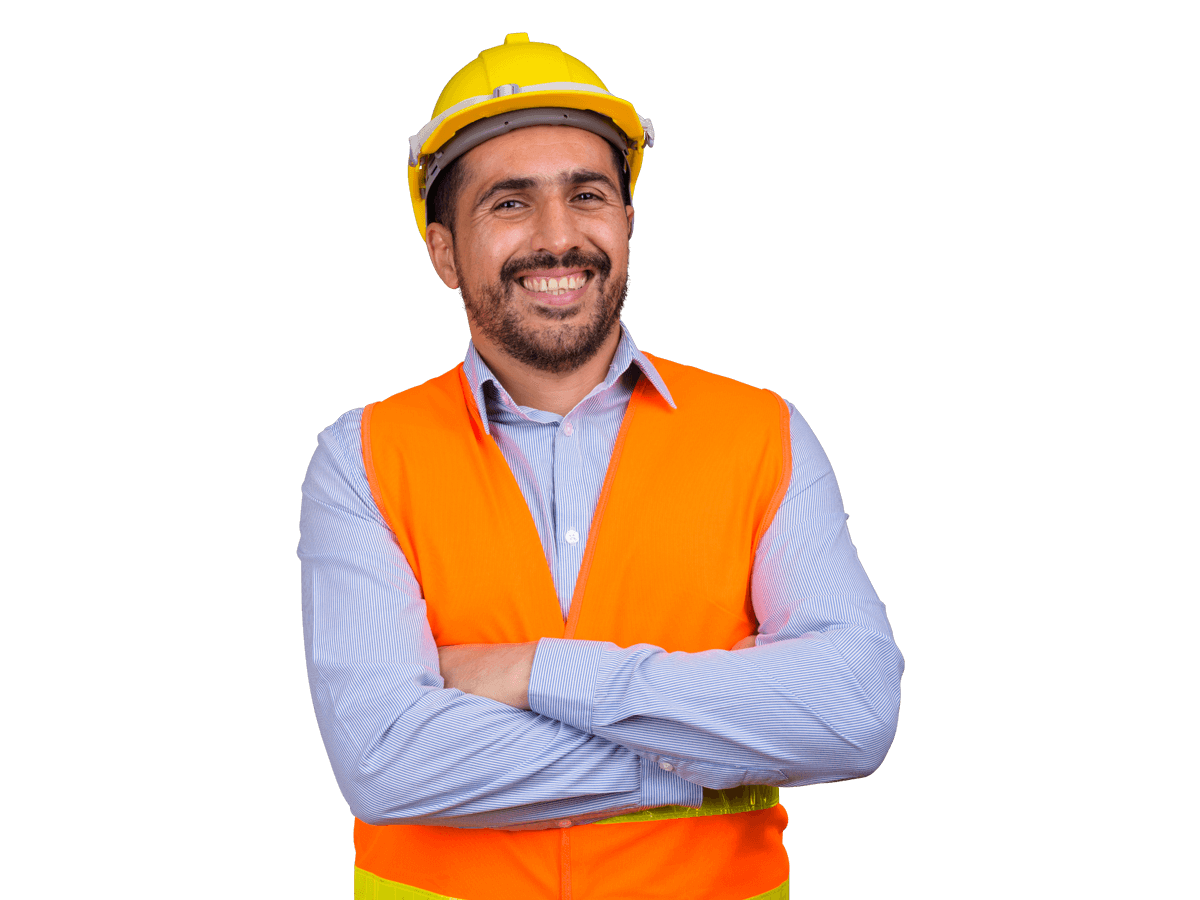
(539, 152)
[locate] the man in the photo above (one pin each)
(573, 614)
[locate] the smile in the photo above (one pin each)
(554, 286)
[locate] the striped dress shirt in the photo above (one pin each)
(611, 729)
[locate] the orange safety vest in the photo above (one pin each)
(688, 495)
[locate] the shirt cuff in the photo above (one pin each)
(562, 684)
(663, 788)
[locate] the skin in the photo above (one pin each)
(527, 196)
(563, 195)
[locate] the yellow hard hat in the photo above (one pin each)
(515, 85)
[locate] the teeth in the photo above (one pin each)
(554, 286)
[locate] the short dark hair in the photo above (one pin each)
(442, 202)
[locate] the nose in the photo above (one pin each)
(556, 228)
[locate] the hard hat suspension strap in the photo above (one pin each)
(476, 133)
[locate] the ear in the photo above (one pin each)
(440, 244)
(629, 216)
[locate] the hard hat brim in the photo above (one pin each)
(621, 112)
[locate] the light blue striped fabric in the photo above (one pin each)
(612, 730)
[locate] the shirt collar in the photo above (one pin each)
(478, 375)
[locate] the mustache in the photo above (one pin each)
(572, 259)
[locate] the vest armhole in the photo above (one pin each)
(369, 467)
(785, 475)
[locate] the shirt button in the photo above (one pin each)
(665, 766)
(568, 429)
(572, 536)
(564, 823)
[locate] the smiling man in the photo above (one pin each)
(574, 614)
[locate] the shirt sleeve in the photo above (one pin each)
(404, 748)
(817, 698)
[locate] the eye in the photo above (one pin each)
(588, 196)
(508, 204)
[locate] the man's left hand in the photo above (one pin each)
(497, 671)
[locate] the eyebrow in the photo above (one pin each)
(567, 179)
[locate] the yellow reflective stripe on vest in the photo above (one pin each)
(372, 887)
(779, 893)
(747, 798)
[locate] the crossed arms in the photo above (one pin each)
(501, 672)
(519, 735)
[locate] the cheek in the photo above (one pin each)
(618, 250)
(477, 268)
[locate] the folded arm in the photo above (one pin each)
(815, 700)
(404, 747)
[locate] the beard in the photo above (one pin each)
(558, 346)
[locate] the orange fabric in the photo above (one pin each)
(688, 495)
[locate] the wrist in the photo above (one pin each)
(521, 670)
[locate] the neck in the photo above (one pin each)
(555, 392)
